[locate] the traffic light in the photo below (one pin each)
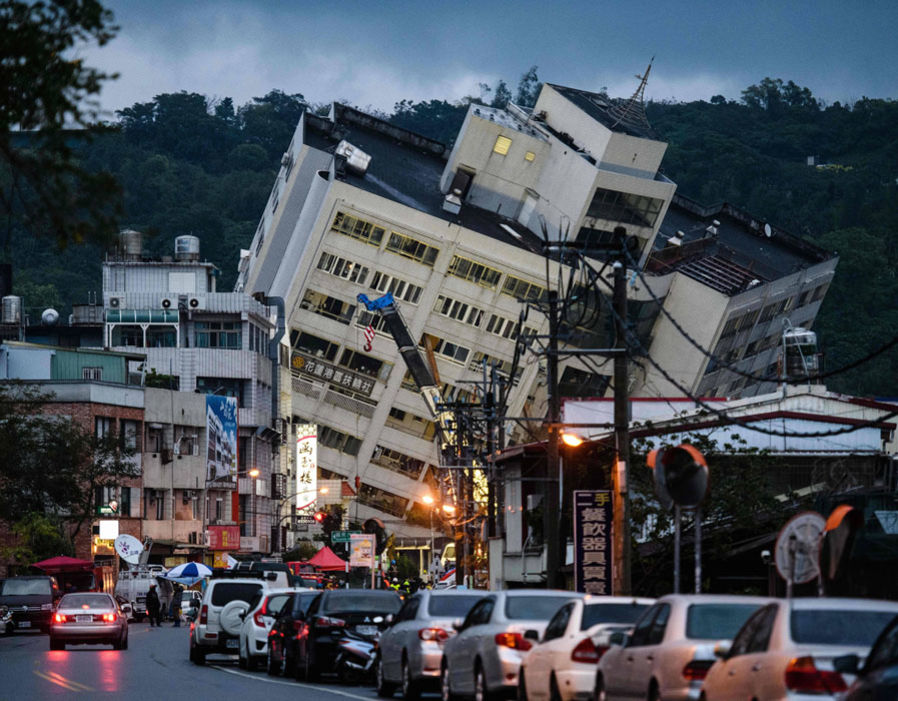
(319, 516)
(681, 475)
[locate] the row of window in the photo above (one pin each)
(770, 311)
(382, 500)
(503, 144)
(351, 359)
(397, 462)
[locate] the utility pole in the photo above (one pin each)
(551, 537)
(621, 519)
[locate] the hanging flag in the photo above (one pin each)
(369, 336)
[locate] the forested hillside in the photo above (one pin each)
(187, 164)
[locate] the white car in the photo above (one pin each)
(786, 650)
(563, 664)
(671, 647)
(484, 658)
(260, 613)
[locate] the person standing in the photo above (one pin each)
(153, 607)
(175, 608)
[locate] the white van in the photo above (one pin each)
(134, 584)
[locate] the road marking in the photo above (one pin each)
(57, 678)
(300, 685)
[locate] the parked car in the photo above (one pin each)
(288, 633)
(671, 647)
(364, 611)
(563, 665)
(484, 658)
(88, 618)
(411, 649)
(257, 620)
(283, 575)
(31, 600)
(877, 679)
(786, 649)
(217, 629)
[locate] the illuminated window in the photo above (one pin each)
(475, 272)
(358, 229)
(521, 289)
(503, 143)
(529, 156)
(408, 247)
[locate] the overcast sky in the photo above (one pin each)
(374, 53)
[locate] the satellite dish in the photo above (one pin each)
(128, 548)
(798, 546)
(768, 232)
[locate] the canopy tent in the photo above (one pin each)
(63, 563)
(327, 561)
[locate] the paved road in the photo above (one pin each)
(154, 667)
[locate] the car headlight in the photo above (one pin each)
(46, 607)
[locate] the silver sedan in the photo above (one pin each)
(88, 619)
(411, 649)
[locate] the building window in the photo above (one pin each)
(92, 373)
(246, 517)
(161, 337)
(529, 156)
(219, 510)
(475, 272)
(412, 248)
(104, 426)
(819, 292)
(397, 462)
(158, 496)
(447, 349)
(382, 500)
(503, 366)
(521, 289)
(400, 289)
(501, 326)
(460, 311)
(222, 386)
(131, 336)
(365, 364)
(327, 306)
(338, 440)
(218, 334)
(624, 207)
(313, 345)
(358, 229)
(373, 319)
(343, 268)
(129, 431)
(503, 143)
(579, 383)
(154, 440)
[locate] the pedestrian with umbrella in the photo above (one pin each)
(188, 574)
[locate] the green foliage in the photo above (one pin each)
(47, 91)
(37, 537)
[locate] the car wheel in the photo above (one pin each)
(241, 658)
(599, 694)
(654, 693)
(197, 656)
(274, 666)
(411, 689)
(554, 693)
(117, 644)
(311, 674)
(384, 688)
(252, 662)
(522, 686)
(125, 643)
(445, 688)
(56, 644)
(481, 693)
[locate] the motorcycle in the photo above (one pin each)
(355, 657)
(7, 626)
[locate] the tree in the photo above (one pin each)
(47, 92)
(528, 88)
(501, 95)
(51, 464)
(36, 537)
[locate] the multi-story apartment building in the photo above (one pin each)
(362, 206)
(196, 339)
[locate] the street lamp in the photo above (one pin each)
(447, 508)
(254, 473)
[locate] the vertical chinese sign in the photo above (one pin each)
(221, 440)
(306, 471)
(592, 542)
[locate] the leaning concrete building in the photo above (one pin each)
(362, 206)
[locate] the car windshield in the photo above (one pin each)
(453, 606)
(301, 602)
(225, 592)
(534, 608)
(838, 627)
(385, 602)
(717, 621)
(611, 613)
(26, 587)
(78, 601)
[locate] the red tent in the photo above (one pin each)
(326, 561)
(63, 563)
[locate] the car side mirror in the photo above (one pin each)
(722, 650)
(619, 638)
(458, 624)
(532, 635)
(847, 664)
(389, 619)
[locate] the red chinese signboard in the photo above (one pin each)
(224, 537)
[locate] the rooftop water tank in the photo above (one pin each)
(49, 317)
(11, 310)
(131, 244)
(356, 159)
(187, 248)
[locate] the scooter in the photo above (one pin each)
(355, 657)
(7, 626)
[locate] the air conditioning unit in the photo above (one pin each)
(169, 303)
(196, 303)
(116, 302)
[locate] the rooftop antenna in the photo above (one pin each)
(632, 112)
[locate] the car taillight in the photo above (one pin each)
(802, 676)
(299, 626)
(257, 616)
(59, 618)
(586, 651)
(515, 641)
(434, 634)
(109, 617)
(696, 670)
(327, 622)
(204, 615)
